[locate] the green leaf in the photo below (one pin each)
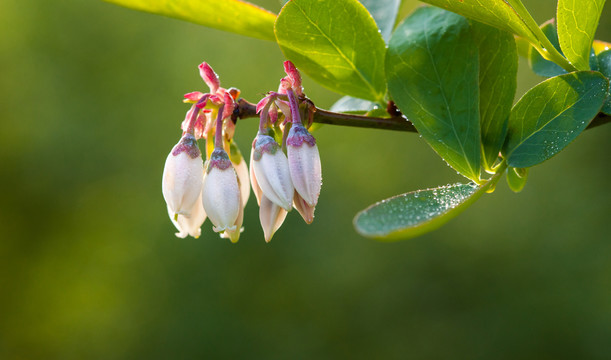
(577, 23)
(235, 16)
(432, 72)
(604, 63)
(546, 68)
(409, 215)
(384, 12)
(349, 104)
(498, 58)
(551, 115)
(516, 178)
(502, 14)
(336, 43)
(538, 64)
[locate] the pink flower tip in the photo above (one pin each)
(294, 76)
(210, 77)
(229, 105)
(261, 104)
(193, 96)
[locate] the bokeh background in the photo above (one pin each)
(90, 106)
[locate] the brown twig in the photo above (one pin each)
(398, 122)
(246, 109)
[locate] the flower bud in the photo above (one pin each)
(271, 217)
(272, 171)
(304, 163)
(182, 177)
(210, 77)
(234, 235)
(190, 225)
(253, 180)
(221, 192)
(241, 169)
(306, 211)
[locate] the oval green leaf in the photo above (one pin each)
(551, 115)
(349, 104)
(498, 13)
(234, 16)
(516, 178)
(409, 215)
(498, 58)
(577, 23)
(432, 72)
(336, 43)
(384, 12)
(604, 63)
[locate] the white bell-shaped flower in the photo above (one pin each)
(304, 163)
(271, 216)
(234, 235)
(191, 225)
(306, 211)
(221, 192)
(241, 168)
(272, 171)
(182, 177)
(253, 180)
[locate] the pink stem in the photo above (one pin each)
(218, 136)
(294, 106)
(193, 119)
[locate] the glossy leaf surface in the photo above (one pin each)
(516, 178)
(498, 58)
(384, 12)
(551, 115)
(235, 16)
(577, 23)
(498, 13)
(432, 72)
(408, 215)
(336, 43)
(349, 104)
(604, 63)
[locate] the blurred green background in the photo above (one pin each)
(90, 106)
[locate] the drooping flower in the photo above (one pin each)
(192, 224)
(304, 163)
(182, 177)
(271, 216)
(272, 171)
(221, 192)
(239, 164)
(305, 210)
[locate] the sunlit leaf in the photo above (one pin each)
(336, 43)
(408, 215)
(498, 60)
(384, 12)
(546, 68)
(235, 16)
(516, 178)
(551, 115)
(498, 13)
(604, 63)
(349, 104)
(523, 46)
(577, 23)
(432, 71)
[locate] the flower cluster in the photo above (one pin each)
(285, 170)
